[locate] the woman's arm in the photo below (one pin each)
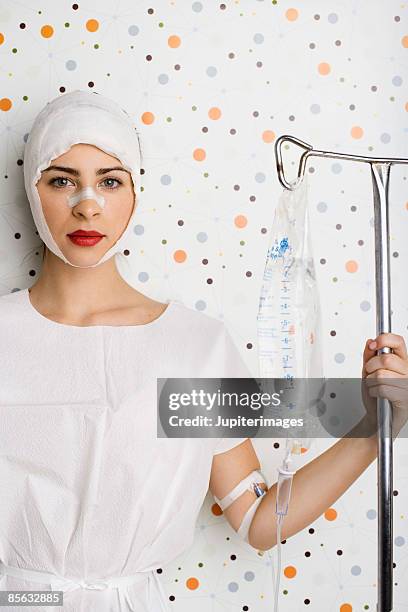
(321, 482)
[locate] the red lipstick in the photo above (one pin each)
(85, 238)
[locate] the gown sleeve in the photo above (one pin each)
(234, 367)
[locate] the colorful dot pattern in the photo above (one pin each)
(210, 88)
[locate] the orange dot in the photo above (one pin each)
(192, 583)
(147, 118)
(92, 25)
(180, 256)
(1, 38)
(351, 266)
(214, 113)
(216, 510)
(240, 221)
(323, 68)
(346, 608)
(174, 41)
(303, 450)
(311, 337)
(5, 104)
(356, 131)
(47, 31)
(406, 205)
(406, 106)
(404, 41)
(199, 154)
(291, 14)
(290, 571)
(268, 136)
(330, 514)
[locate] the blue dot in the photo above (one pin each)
(197, 7)
(365, 306)
(211, 71)
(233, 587)
(399, 541)
(133, 30)
(371, 514)
(260, 177)
(138, 230)
(163, 79)
(258, 38)
(356, 570)
(332, 18)
(385, 138)
(143, 277)
(397, 81)
(165, 179)
(322, 207)
(249, 576)
(315, 109)
(202, 237)
(336, 168)
(70, 65)
(200, 305)
(339, 357)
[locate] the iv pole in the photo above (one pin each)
(380, 174)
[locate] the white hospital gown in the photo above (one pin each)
(88, 491)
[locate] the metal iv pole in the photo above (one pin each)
(380, 174)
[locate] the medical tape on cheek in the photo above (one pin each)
(87, 193)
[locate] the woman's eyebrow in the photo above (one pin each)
(77, 173)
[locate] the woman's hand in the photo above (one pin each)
(386, 375)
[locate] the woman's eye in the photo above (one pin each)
(58, 178)
(112, 179)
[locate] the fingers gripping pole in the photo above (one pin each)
(249, 483)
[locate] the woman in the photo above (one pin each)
(94, 502)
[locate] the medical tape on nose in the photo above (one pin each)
(87, 193)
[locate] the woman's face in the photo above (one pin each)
(82, 166)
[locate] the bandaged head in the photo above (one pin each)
(73, 118)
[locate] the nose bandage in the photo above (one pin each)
(87, 193)
(73, 118)
(249, 483)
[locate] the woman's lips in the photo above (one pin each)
(85, 240)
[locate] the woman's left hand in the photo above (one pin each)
(391, 366)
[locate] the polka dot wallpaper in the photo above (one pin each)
(210, 86)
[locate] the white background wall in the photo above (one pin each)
(331, 73)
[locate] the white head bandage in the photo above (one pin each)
(87, 193)
(72, 118)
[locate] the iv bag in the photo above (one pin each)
(289, 316)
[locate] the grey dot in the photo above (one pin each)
(365, 306)
(165, 179)
(197, 7)
(260, 177)
(200, 305)
(322, 207)
(339, 357)
(356, 570)
(332, 18)
(249, 576)
(371, 514)
(211, 71)
(315, 109)
(143, 277)
(70, 65)
(133, 30)
(202, 237)
(233, 587)
(163, 79)
(138, 230)
(399, 541)
(397, 81)
(258, 38)
(385, 138)
(337, 168)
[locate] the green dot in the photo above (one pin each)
(25, 98)
(194, 107)
(161, 24)
(66, 24)
(169, 119)
(96, 46)
(335, 279)
(242, 242)
(285, 592)
(366, 607)
(201, 565)
(206, 175)
(14, 50)
(164, 241)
